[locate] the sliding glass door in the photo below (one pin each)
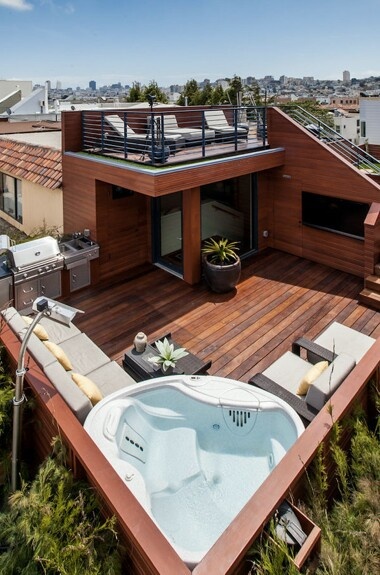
(228, 210)
(167, 232)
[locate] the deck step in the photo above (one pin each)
(372, 283)
(370, 298)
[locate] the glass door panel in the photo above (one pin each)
(228, 210)
(167, 232)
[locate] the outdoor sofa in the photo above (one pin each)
(79, 370)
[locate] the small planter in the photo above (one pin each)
(222, 278)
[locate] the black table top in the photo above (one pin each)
(140, 368)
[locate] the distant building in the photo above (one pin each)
(9, 86)
(347, 125)
(344, 101)
(370, 121)
(92, 84)
(346, 77)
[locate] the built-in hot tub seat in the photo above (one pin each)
(74, 355)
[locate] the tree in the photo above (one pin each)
(235, 90)
(218, 96)
(153, 90)
(135, 94)
(313, 107)
(190, 95)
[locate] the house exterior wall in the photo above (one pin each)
(348, 127)
(298, 161)
(41, 207)
(311, 166)
(8, 86)
(370, 114)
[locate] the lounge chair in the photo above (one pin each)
(193, 136)
(342, 347)
(216, 120)
(340, 338)
(139, 142)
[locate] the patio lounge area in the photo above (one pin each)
(280, 298)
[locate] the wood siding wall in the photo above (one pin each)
(310, 165)
(122, 227)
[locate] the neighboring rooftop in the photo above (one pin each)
(37, 164)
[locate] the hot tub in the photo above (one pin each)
(193, 450)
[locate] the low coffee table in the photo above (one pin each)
(140, 368)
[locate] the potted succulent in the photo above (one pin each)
(221, 264)
(167, 356)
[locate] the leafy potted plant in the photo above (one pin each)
(221, 264)
(167, 356)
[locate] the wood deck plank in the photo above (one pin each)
(279, 298)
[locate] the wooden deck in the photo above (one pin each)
(279, 298)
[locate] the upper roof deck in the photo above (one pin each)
(161, 136)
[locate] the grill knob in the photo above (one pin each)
(40, 270)
(47, 268)
(24, 275)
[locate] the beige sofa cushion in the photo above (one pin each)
(310, 376)
(59, 354)
(78, 402)
(110, 377)
(38, 329)
(89, 388)
(84, 354)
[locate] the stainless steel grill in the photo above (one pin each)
(35, 258)
(36, 269)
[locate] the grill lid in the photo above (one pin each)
(33, 252)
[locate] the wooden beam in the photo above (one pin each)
(191, 235)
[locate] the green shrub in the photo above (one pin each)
(53, 526)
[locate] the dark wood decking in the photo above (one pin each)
(279, 298)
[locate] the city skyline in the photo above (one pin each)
(175, 41)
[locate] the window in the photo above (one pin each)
(363, 130)
(11, 196)
(334, 214)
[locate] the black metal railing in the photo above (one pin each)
(158, 135)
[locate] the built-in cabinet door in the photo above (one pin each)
(25, 294)
(50, 285)
(80, 276)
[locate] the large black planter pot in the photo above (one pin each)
(221, 279)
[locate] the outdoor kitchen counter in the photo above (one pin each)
(79, 268)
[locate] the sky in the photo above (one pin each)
(173, 41)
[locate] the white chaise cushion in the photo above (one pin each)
(342, 339)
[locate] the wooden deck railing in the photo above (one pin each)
(149, 551)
